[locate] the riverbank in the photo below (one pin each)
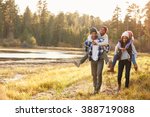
(66, 81)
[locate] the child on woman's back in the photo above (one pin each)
(134, 52)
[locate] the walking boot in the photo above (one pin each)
(136, 67)
(111, 70)
(77, 63)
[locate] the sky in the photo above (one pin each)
(98, 8)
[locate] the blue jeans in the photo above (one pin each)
(116, 58)
(133, 59)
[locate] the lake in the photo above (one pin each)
(37, 55)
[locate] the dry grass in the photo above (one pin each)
(43, 78)
(57, 77)
(2, 93)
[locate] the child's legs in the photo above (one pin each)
(133, 59)
(105, 57)
(83, 59)
(114, 60)
(120, 71)
(127, 74)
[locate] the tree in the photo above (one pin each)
(133, 19)
(115, 23)
(10, 13)
(43, 15)
(1, 19)
(27, 20)
(147, 20)
(146, 36)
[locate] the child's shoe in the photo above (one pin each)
(136, 67)
(77, 63)
(111, 70)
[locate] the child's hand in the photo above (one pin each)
(123, 49)
(94, 42)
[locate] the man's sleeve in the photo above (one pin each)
(86, 45)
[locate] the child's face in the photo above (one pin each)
(130, 35)
(102, 31)
(125, 39)
(94, 35)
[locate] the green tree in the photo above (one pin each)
(1, 19)
(115, 29)
(27, 20)
(10, 13)
(133, 19)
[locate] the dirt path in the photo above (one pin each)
(70, 92)
(80, 89)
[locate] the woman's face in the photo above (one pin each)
(125, 39)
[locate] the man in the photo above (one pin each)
(95, 56)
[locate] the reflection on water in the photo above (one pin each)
(46, 55)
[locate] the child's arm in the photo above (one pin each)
(134, 49)
(105, 41)
(102, 43)
(127, 46)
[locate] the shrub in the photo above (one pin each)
(31, 41)
(11, 43)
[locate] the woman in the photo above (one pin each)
(134, 53)
(125, 57)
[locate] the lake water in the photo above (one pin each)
(38, 55)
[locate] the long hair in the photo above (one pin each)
(122, 43)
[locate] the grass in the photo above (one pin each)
(41, 78)
(2, 94)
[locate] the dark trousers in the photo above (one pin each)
(96, 69)
(121, 65)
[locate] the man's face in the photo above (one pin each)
(94, 35)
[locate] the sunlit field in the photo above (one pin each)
(66, 81)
